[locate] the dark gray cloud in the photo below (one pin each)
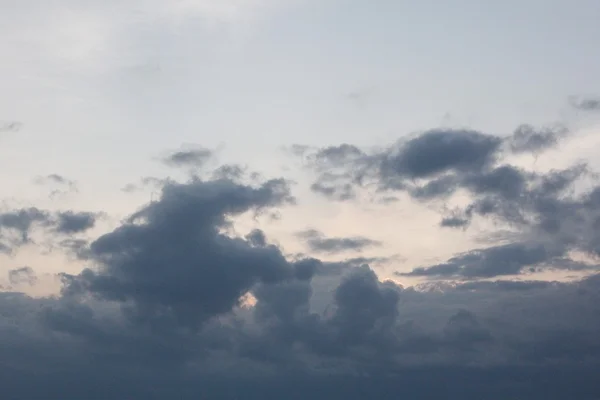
(181, 230)
(547, 210)
(233, 172)
(437, 151)
(319, 243)
(70, 222)
(498, 339)
(528, 139)
(454, 222)
(257, 238)
(432, 164)
(509, 259)
(585, 103)
(188, 158)
(337, 155)
(17, 226)
(546, 214)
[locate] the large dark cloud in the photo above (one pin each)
(171, 262)
(171, 304)
(500, 339)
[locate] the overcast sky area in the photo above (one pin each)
(250, 199)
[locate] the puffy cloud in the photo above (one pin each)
(16, 225)
(181, 230)
(74, 222)
(438, 151)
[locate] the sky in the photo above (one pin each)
(298, 198)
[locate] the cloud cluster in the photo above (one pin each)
(17, 226)
(172, 304)
(549, 213)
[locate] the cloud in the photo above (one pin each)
(319, 243)
(18, 225)
(527, 138)
(60, 184)
(454, 222)
(23, 275)
(377, 336)
(10, 126)
(181, 229)
(438, 151)
(173, 302)
(188, 158)
(551, 210)
(508, 259)
(70, 222)
(54, 178)
(432, 164)
(585, 103)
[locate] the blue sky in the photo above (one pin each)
(98, 95)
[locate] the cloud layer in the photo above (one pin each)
(173, 301)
